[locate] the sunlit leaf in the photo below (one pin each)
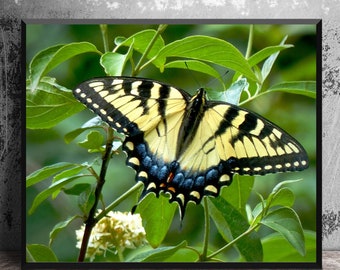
(46, 60)
(231, 224)
(49, 104)
(157, 215)
(40, 253)
(213, 50)
(159, 254)
(59, 227)
(285, 221)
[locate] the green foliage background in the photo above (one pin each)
(295, 114)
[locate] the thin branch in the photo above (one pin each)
(250, 41)
(248, 231)
(91, 221)
(103, 29)
(160, 30)
(114, 204)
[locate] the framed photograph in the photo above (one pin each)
(179, 143)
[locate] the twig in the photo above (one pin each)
(91, 220)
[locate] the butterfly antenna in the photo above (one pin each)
(221, 77)
(193, 75)
(212, 81)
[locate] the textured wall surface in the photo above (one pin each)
(12, 11)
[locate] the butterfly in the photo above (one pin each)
(188, 146)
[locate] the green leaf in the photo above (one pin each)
(140, 41)
(86, 196)
(95, 122)
(39, 253)
(213, 50)
(286, 182)
(285, 221)
(39, 63)
(266, 52)
(157, 215)
(46, 60)
(114, 63)
(277, 249)
(66, 174)
(55, 187)
(49, 104)
(59, 227)
(196, 66)
(257, 213)
(233, 93)
(237, 194)
(231, 224)
(77, 189)
(221, 223)
(305, 88)
(268, 64)
(46, 172)
(94, 140)
(184, 255)
(280, 197)
(86, 199)
(284, 197)
(158, 255)
(70, 172)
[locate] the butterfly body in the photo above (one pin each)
(186, 145)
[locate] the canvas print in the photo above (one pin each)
(167, 143)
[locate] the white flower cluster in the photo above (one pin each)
(114, 233)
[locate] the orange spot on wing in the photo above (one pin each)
(172, 189)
